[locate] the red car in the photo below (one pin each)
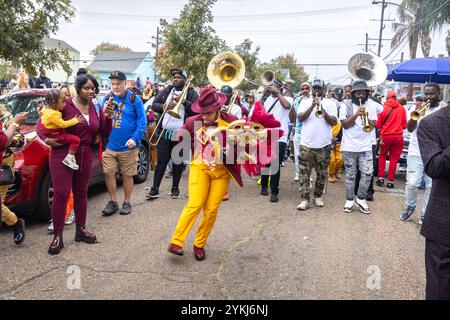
(32, 192)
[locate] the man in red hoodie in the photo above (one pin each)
(391, 123)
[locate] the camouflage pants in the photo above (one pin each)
(313, 158)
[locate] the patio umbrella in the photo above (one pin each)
(422, 70)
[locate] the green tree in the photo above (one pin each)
(23, 26)
(189, 41)
(6, 69)
(288, 61)
(107, 46)
(251, 61)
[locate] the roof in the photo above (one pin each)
(127, 62)
(56, 44)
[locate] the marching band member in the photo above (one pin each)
(315, 142)
(357, 145)
(234, 109)
(209, 178)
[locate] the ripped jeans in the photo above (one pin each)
(353, 161)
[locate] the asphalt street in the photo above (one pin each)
(257, 250)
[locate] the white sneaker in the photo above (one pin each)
(348, 206)
(363, 207)
(70, 161)
(50, 226)
(303, 205)
(71, 217)
(318, 202)
(296, 178)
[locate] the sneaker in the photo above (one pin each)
(175, 193)
(50, 226)
(126, 209)
(318, 202)
(421, 218)
(111, 208)
(71, 217)
(380, 182)
(407, 213)
(70, 161)
(19, 231)
(274, 197)
(303, 205)
(282, 164)
(390, 185)
(363, 207)
(264, 191)
(296, 178)
(153, 193)
(348, 206)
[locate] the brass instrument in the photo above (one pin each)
(228, 68)
(366, 126)
(417, 114)
(368, 67)
(232, 100)
(319, 113)
(175, 112)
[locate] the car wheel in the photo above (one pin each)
(45, 199)
(142, 165)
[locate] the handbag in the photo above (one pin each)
(6, 176)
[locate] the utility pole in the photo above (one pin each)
(415, 40)
(367, 44)
(383, 6)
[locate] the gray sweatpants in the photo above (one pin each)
(353, 161)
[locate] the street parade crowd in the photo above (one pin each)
(220, 133)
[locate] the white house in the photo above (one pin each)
(59, 75)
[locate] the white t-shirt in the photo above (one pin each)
(236, 111)
(413, 149)
(86, 116)
(280, 113)
(354, 139)
(172, 123)
(316, 132)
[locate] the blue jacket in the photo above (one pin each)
(128, 122)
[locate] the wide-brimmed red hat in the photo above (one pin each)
(209, 100)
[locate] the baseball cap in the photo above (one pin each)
(181, 72)
(339, 91)
(118, 75)
(318, 83)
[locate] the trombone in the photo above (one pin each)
(232, 100)
(175, 112)
(319, 113)
(417, 114)
(366, 126)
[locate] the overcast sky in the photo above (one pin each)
(320, 31)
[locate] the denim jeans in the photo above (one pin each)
(353, 161)
(414, 177)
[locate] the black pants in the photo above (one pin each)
(371, 190)
(274, 178)
(437, 265)
(165, 147)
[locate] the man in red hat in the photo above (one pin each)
(208, 181)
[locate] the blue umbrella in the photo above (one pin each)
(422, 70)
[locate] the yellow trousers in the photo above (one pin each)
(206, 190)
(8, 216)
(336, 162)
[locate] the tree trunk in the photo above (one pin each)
(425, 43)
(415, 41)
(447, 42)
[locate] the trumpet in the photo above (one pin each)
(417, 114)
(366, 126)
(175, 112)
(319, 113)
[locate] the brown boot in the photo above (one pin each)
(57, 243)
(81, 234)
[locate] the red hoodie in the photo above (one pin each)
(396, 122)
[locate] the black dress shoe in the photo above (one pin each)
(390, 185)
(380, 182)
(274, 197)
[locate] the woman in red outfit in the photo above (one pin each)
(98, 124)
(391, 123)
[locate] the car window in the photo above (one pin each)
(23, 103)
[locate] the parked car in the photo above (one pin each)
(32, 191)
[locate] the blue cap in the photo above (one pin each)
(181, 72)
(318, 83)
